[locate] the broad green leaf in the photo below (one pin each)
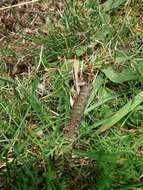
(106, 111)
(125, 75)
(80, 50)
(105, 92)
(105, 18)
(103, 32)
(121, 56)
(139, 68)
(112, 4)
(130, 106)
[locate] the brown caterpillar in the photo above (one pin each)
(72, 128)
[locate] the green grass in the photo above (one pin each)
(35, 109)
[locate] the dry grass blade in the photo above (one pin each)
(19, 4)
(76, 68)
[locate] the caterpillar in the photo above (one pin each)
(72, 128)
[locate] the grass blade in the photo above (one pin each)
(6, 80)
(130, 106)
(100, 103)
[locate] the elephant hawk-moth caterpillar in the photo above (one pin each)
(72, 129)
